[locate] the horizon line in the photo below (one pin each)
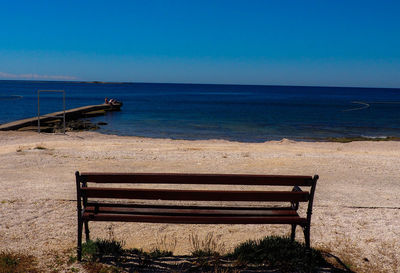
(183, 83)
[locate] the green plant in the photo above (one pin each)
(71, 259)
(154, 254)
(109, 247)
(89, 249)
(17, 262)
(96, 250)
(157, 253)
(278, 252)
(135, 251)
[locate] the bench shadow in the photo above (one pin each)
(129, 262)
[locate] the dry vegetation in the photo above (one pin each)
(17, 263)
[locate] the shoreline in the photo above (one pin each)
(95, 128)
(85, 124)
(356, 213)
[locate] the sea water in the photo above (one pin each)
(203, 111)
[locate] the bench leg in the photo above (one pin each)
(87, 231)
(79, 248)
(306, 230)
(293, 235)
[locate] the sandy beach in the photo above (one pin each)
(356, 210)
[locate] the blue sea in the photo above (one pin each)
(246, 113)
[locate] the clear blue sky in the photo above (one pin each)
(331, 43)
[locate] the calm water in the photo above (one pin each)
(233, 112)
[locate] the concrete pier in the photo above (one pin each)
(71, 114)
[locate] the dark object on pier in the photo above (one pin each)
(95, 203)
(116, 104)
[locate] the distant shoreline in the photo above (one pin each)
(217, 84)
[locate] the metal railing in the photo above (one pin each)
(63, 116)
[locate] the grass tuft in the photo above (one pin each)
(154, 254)
(96, 250)
(207, 247)
(17, 262)
(278, 252)
(166, 244)
(157, 253)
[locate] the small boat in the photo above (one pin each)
(115, 104)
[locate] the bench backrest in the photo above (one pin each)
(296, 195)
(184, 178)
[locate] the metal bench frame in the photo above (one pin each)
(90, 209)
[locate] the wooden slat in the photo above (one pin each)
(179, 178)
(175, 206)
(190, 211)
(195, 219)
(194, 195)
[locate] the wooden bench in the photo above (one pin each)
(97, 202)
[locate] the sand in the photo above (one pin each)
(356, 211)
